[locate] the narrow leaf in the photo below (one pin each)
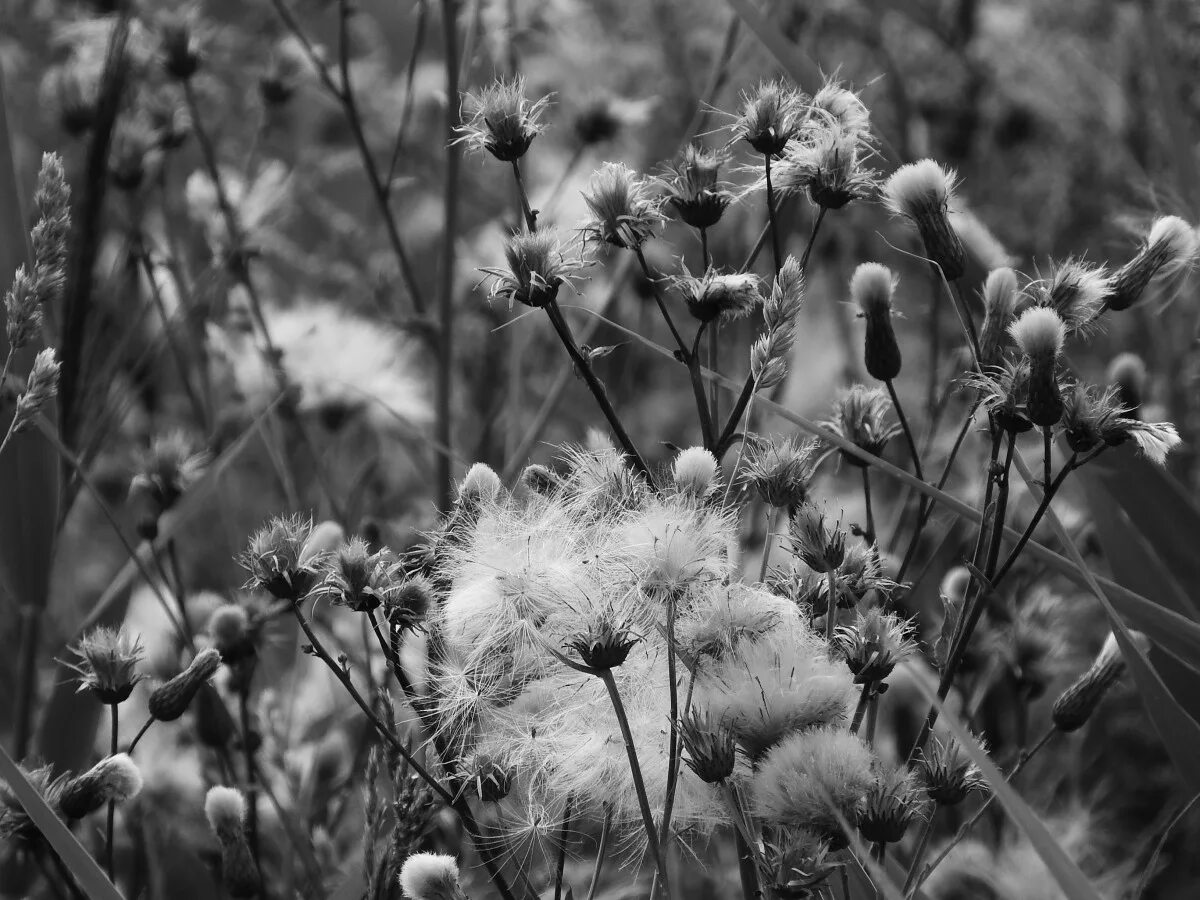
(799, 67)
(1073, 882)
(89, 874)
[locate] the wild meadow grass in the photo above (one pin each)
(427, 473)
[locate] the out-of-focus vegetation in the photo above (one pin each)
(274, 301)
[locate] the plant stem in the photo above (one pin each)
(863, 699)
(526, 211)
(112, 804)
(919, 852)
(445, 363)
(968, 321)
(673, 743)
(769, 543)
(1069, 466)
(639, 786)
(831, 607)
(1047, 440)
(27, 687)
(562, 851)
(869, 534)
(251, 769)
(137, 737)
(771, 214)
(601, 850)
(812, 240)
(908, 435)
(747, 869)
(584, 366)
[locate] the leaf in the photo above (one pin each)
(1179, 732)
(85, 869)
(795, 62)
(1073, 882)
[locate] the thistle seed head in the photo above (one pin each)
(948, 773)
(771, 115)
(892, 802)
(225, 809)
(695, 472)
(1077, 292)
(537, 268)
(1000, 296)
(724, 297)
(871, 288)
(501, 120)
(694, 189)
(875, 644)
(17, 829)
(782, 471)
(277, 559)
(625, 214)
(710, 747)
(479, 487)
(827, 162)
(1127, 373)
(107, 663)
(822, 548)
(603, 644)
(860, 416)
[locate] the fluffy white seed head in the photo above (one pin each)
(225, 809)
(430, 876)
(1000, 292)
(1176, 239)
(871, 287)
(481, 484)
(118, 777)
(1039, 332)
(694, 471)
(919, 189)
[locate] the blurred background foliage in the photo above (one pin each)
(1071, 125)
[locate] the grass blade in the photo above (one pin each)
(85, 869)
(1073, 882)
(1179, 732)
(794, 61)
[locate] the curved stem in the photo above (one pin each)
(444, 432)
(1047, 496)
(562, 851)
(639, 786)
(863, 699)
(526, 210)
(831, 607)
(673, 742)
(251, 769)
(812, 240)
(601, 850)
(137, 737)
(584, 367)
(869, 534)
(769, 543)
(908, 435)
(771, 214)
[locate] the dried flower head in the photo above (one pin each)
(1003, 391)
(479, 487)
(277, 559)
(922, 193)
(285, 67)
(407, 603)
(1170, 246)
(1039, 334)
(603, 643)
(828, 162)
(771, 115)
(165, 471)
(822, 548)
(40, 388)
(871, 288)
(1093, 418)
(1127, 373)
(891, 803)
(537, 268)
(17, 829)
(107, 663)
(694, 189)
(1076, 291)
(1077, 703)
(773, 688)
(814, 780)
(134, 150)
(114, 779)
(171, 699)
(356, 578)
(782, 471)
(694, 472)
(1000, 296)
(180, 46)
(875, 644)
(842, 106)
(625, 212)
(710, 747)
(862, 572)
(501, 120)
(725, 297)
(860, 416)
(948, 773)
(431, 876)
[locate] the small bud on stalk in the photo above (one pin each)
(225, 809)
(871, 287)
(1170, 246)
(1077, 703)
(1000, 296)
(170, 700)
(1039, 334)
(114, 779)
(922, 193)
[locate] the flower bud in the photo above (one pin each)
(694, 189)
(114, 779)
(922, 192)
(694, 472)
(225, 809)
(1039, 333)
(1127, 373)
(169, 701)
(871, 287)
(1171, 245)
(891, 803)
(1076, 704)
(603, 645)
(539, 479)
(948, 772)
(231, 633)
(501, 120)
(999, 303)
(431, 876)
(480, 486)
(821, 548)
(710, 747)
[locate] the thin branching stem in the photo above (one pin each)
(812, 240)
(112, 804)
(248, 739)
(444, 432)
(673, 741)
(769, 543)
(526, 210)
(601, 852)
(869, 533)
(860, 708)
(831, 607)
(775, 251)
(560, 869)
(908, 434)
